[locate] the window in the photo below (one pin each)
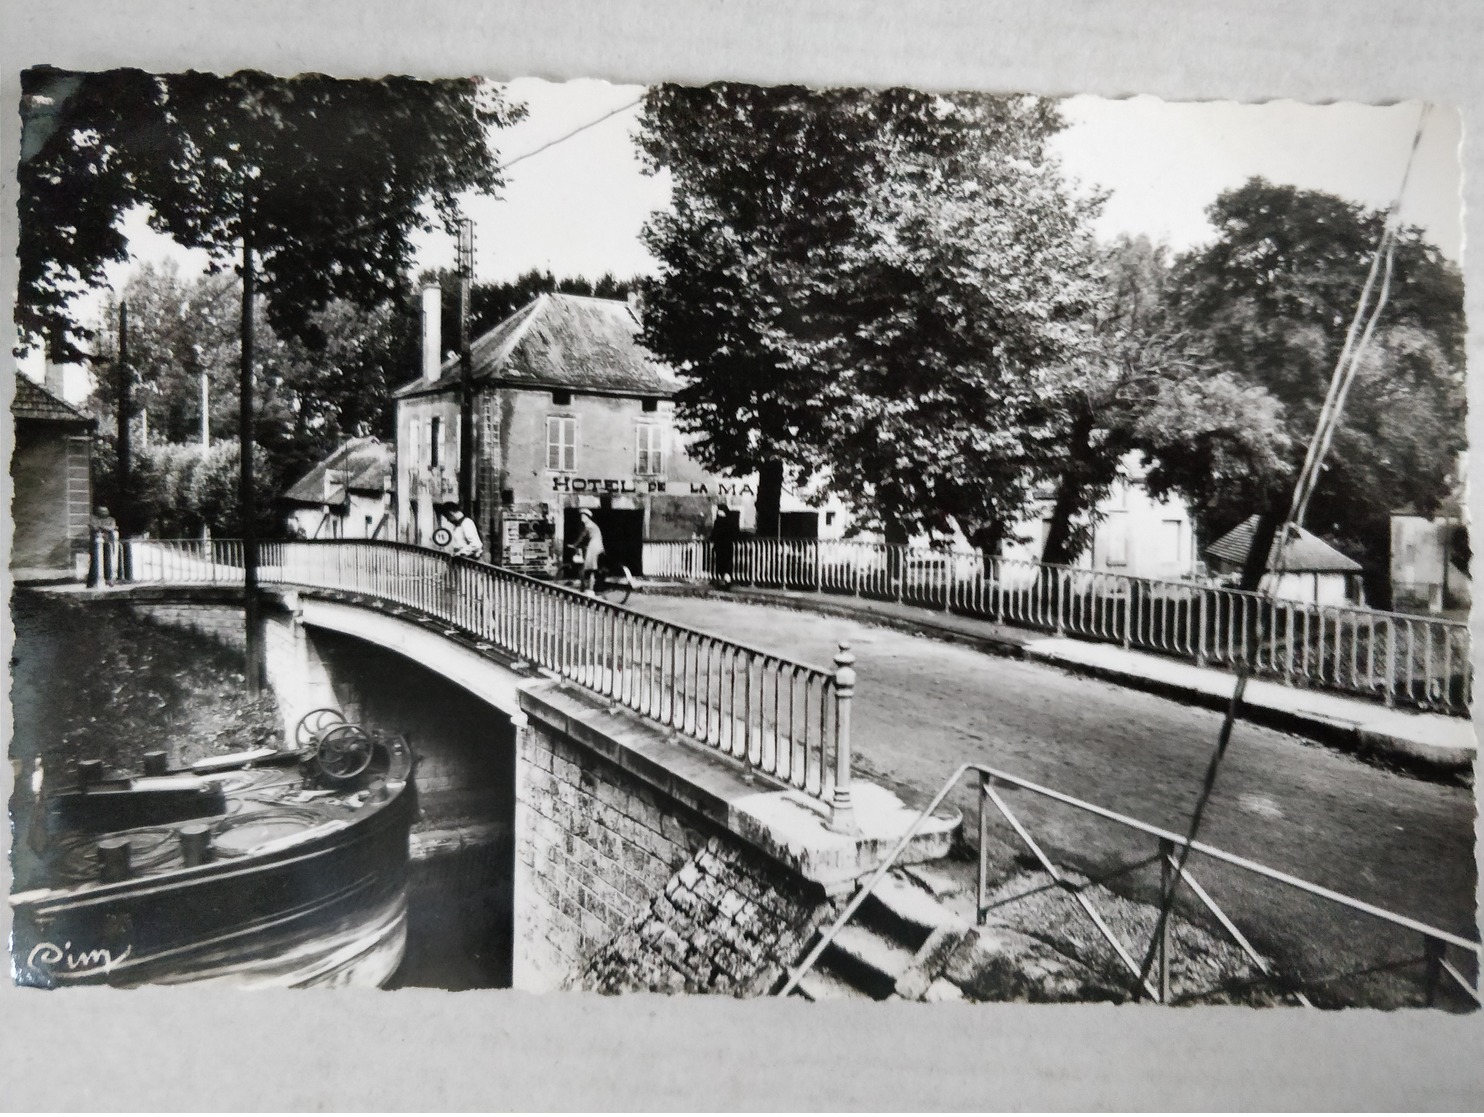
(414, 443)
(562, 399)
(561, 442)
(435, 441)
(651, 405)
(651, 443)
(491, 428)
(1169, 541)
(1117, 538)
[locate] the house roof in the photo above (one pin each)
(1305, 553)
(570, 342)
(359, 465)
(32, 401)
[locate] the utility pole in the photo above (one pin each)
(246, 436)
(125, 413)
(205, 440)
(466, 370)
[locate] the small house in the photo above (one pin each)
(346, 496)
(50, 470)
(1313, 572)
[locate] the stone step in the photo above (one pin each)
(869, 960)
(823, 984)
(939, 882)
(903, 911)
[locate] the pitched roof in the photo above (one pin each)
(359, 465)
(1305, 553)
(570, 342)
(32, 401)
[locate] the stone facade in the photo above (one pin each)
(730, 921)
(222, 623)
(594, 845)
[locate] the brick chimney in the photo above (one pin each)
(432, 332)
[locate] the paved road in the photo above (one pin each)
(924, 707)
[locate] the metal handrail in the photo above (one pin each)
(1435, 939)
(780, 717)
(1394, 657)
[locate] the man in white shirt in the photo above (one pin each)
(467, 586)
(465, 542)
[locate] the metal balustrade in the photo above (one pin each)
(1444, 959)
(1417, 661)
(785, 719)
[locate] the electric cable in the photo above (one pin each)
(1357, 339)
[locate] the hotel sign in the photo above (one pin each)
(620, 485)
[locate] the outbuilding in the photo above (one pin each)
(53, 487)
(348, 495)
(1313, 571)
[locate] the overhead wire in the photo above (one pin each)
(1357, 340)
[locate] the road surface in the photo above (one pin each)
(923, 707)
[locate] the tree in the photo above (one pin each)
(874, 284)
(307, 402)
(1273, 296)
(312, 184)
(1143, 382)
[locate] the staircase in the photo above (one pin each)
(896, 947)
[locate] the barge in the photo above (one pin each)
(267, 868)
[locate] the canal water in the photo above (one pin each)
(89, 679)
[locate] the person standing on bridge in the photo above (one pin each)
(723, 539)
(589, 546)
(465, 542)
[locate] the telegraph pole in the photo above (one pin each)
(246, 435)
(125, 414)
(466, 369)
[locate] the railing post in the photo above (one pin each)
(981, 909)
(842, 810)
(1432, 952)
(1130, 607)
(1166, 883)
(1200, 627)
(1390, 661)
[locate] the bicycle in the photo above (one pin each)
(609, 583)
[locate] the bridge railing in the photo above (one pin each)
(1442, 959)
(786, 719)
(1416, 661)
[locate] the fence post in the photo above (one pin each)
(1166, 885)
(1130, 607)
(842, 811)
(1200, 627)
(981, 909)
(1432, 952)
(1390, 661)
(818, 568)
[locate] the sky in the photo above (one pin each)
(577, 207)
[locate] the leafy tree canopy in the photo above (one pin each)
(326, 178)
(1273, 297)
(873, 283)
